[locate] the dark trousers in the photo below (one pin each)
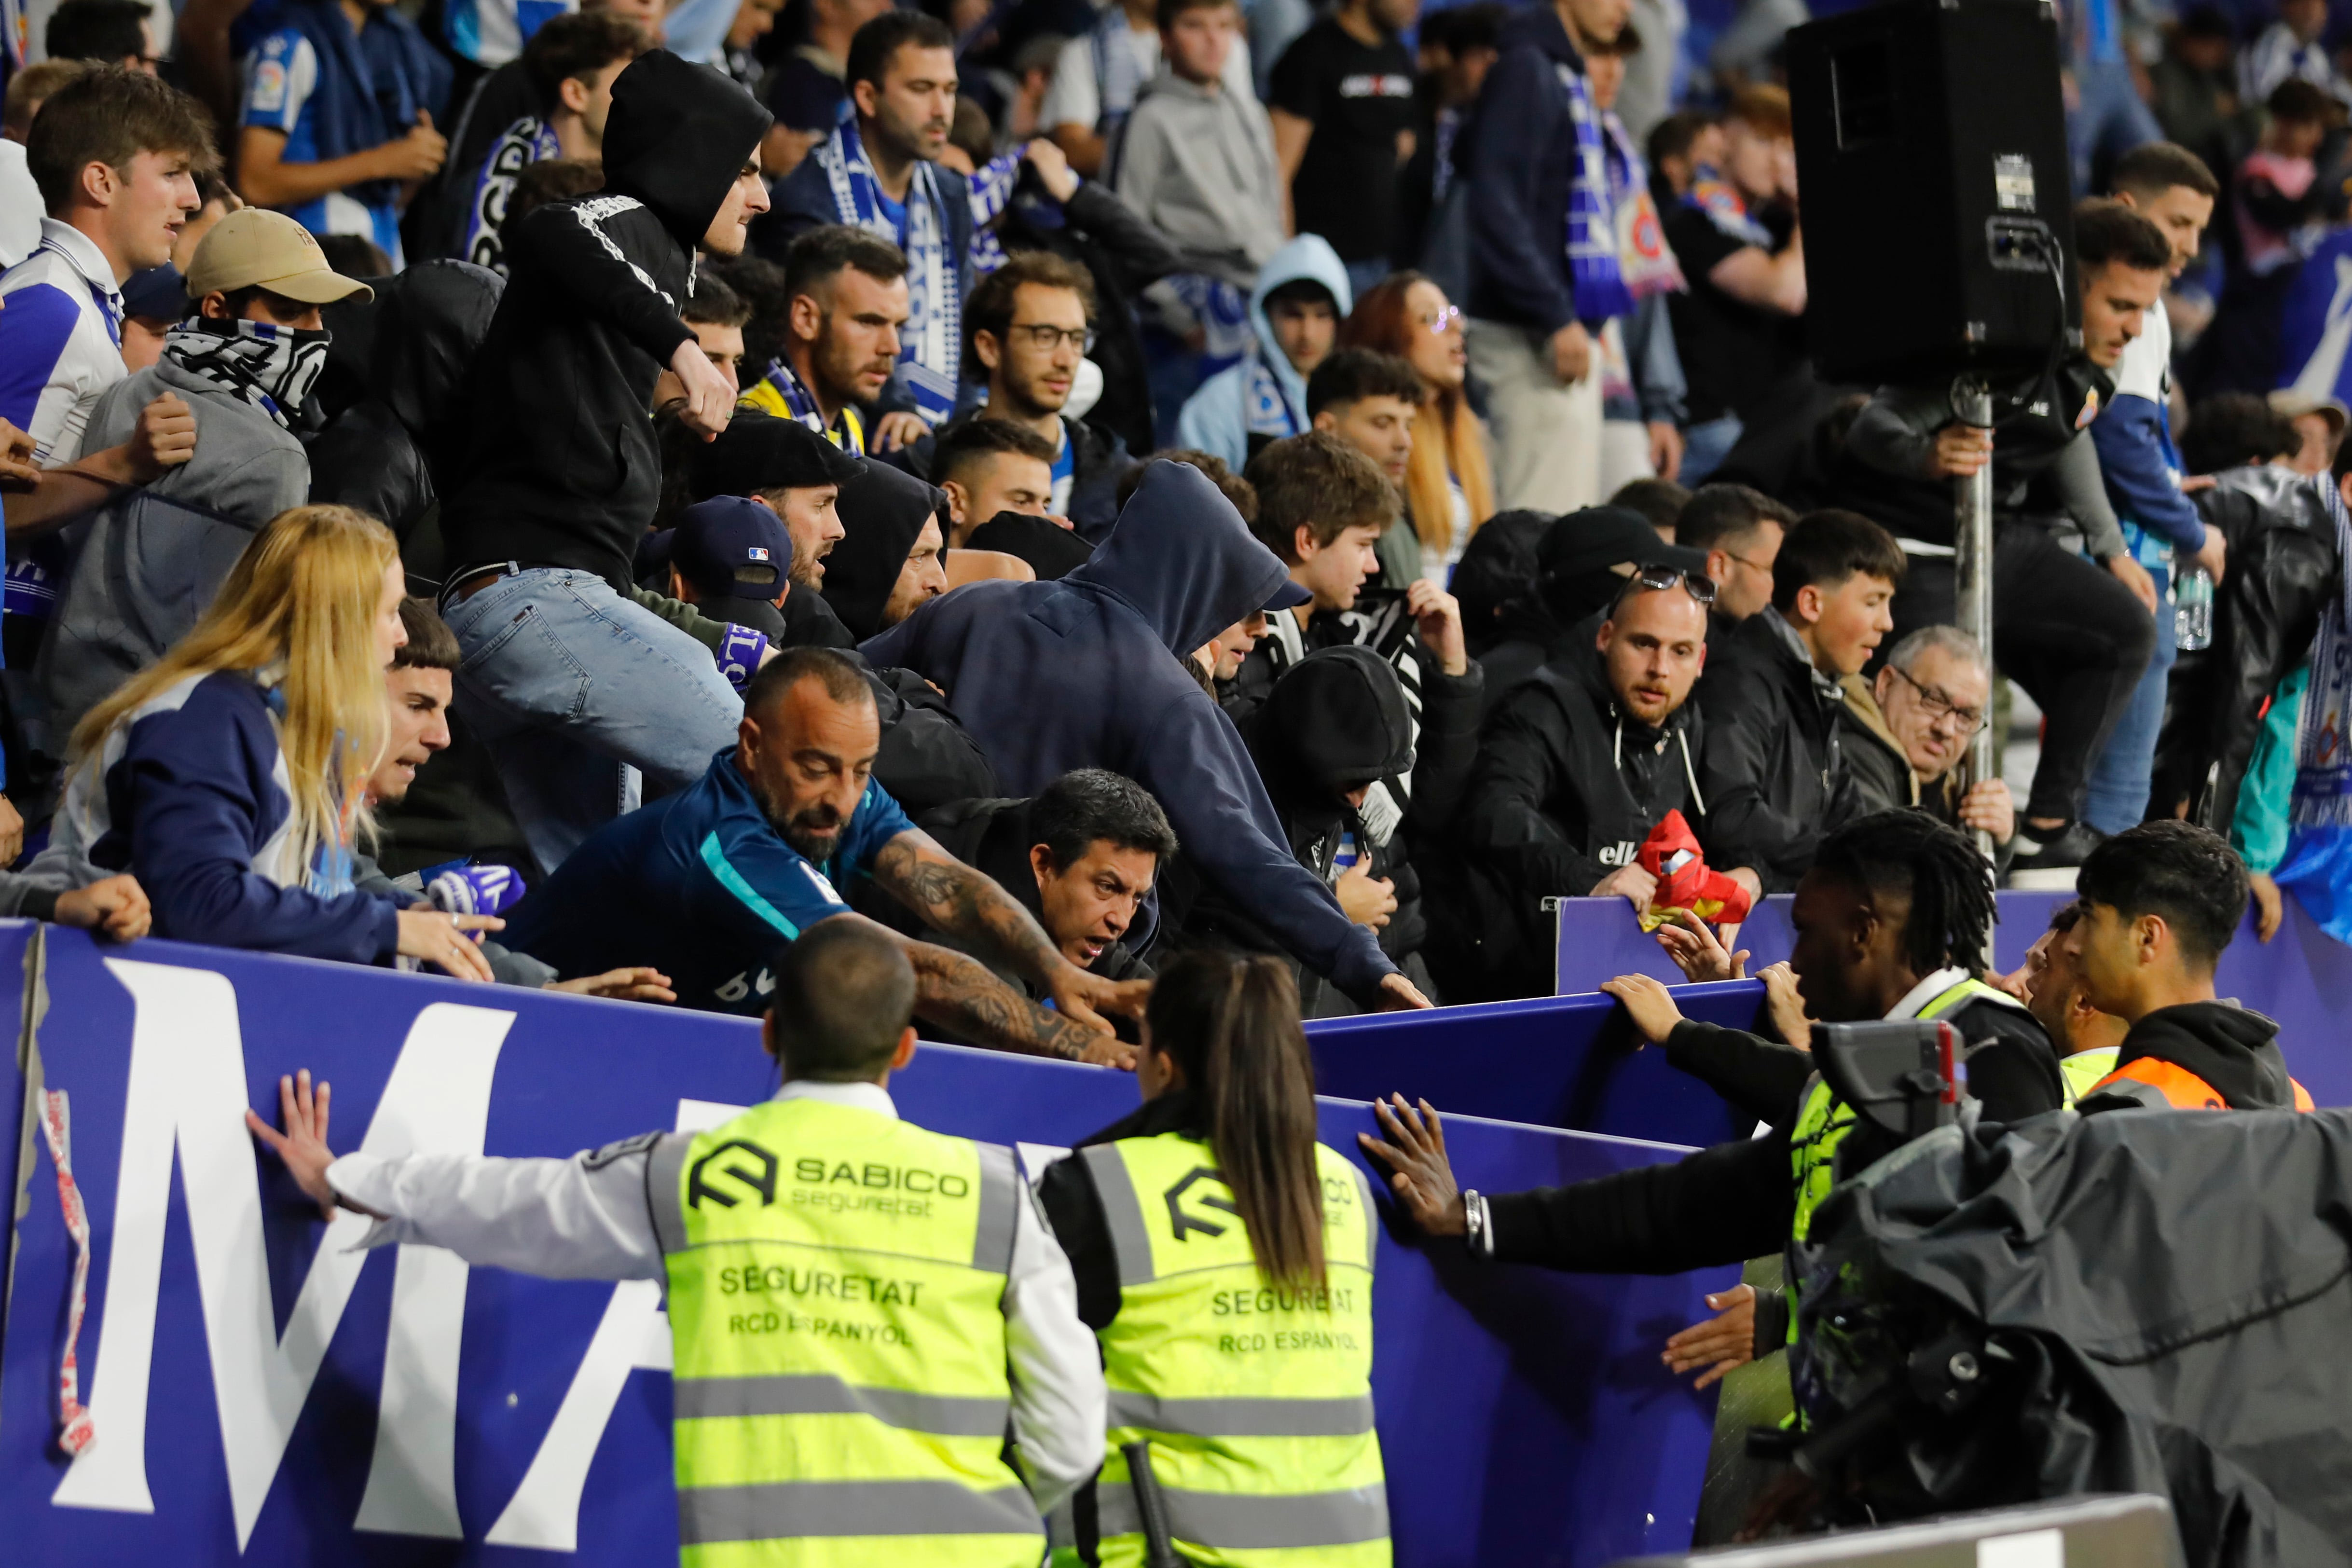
(2066, 630)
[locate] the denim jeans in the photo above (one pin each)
(1705, 446)
(577, 692)
(2117, 798)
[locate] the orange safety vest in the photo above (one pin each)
(2162, 1085)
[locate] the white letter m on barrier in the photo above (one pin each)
(187, 1091)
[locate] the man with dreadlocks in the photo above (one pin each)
(1890, 924)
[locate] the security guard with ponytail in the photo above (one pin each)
(876, 1353)
(1223, 1259)
(1889, 921)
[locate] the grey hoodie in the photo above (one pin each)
(147, 564)
(1197, 163)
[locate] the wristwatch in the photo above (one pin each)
(1479, 1234)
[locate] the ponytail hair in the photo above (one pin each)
(1231, 1023)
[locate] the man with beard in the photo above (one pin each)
(847, 292)
(797, 475)
(704, 884)
(879, 172)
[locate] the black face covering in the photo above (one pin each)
(882, 514)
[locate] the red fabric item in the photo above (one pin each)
(1672, 855)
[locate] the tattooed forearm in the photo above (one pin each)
(960, 993)
(955, 898)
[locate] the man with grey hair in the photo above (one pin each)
(1907, 730)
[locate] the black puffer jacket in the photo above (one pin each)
(1565, 788)
(396, 369)
(563, 469)
(2283, 567)
(1771, 769)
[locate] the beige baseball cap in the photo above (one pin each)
(253, 247)
(2293, 404)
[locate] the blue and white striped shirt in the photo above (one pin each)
(60, 340)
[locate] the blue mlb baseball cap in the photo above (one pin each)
(732, 547)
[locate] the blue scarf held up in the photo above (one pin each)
(1592, 266)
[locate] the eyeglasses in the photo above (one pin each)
(1445, 321)
(1050, 338)
(1698, 585)
(1939, 707)
(1753, 565)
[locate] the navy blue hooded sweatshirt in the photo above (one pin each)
(1086, 673)
(1519, 155)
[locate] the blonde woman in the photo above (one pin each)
(230, 776)
(1449, 489)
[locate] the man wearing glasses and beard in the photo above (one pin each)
(1907, 732)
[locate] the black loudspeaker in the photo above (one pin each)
(1932, 166)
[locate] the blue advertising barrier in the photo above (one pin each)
(1571, 1062)
(263, 1394)
(1598, 939)
(2301, 977)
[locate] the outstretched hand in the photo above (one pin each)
(303, 1144)
(1724, 1341)
(1420, 1174)
(1696, 951)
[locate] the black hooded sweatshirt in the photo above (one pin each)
(1335, 721)
(1565, 788)
(563, 467)
(882, 514)
(2233, 1048)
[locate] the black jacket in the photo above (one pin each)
(1771, 769)
(1335, 721)
(1099, 458)
(1736, 1201)
(396, 430)
(2233, 1048)
(1125, 254)
(1565, 789)
(2283, 569)
(563, 467)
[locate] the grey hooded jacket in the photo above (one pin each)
(147, 564)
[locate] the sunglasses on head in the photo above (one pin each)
(1698, 585)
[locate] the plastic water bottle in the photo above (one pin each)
(2192, 610)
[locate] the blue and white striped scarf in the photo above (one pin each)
(1593, 268)
(991, 192)
(2318, 863)
(930, 344)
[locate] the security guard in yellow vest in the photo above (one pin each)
(1884, 921)
(1223, 1259)
(866, 1318)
